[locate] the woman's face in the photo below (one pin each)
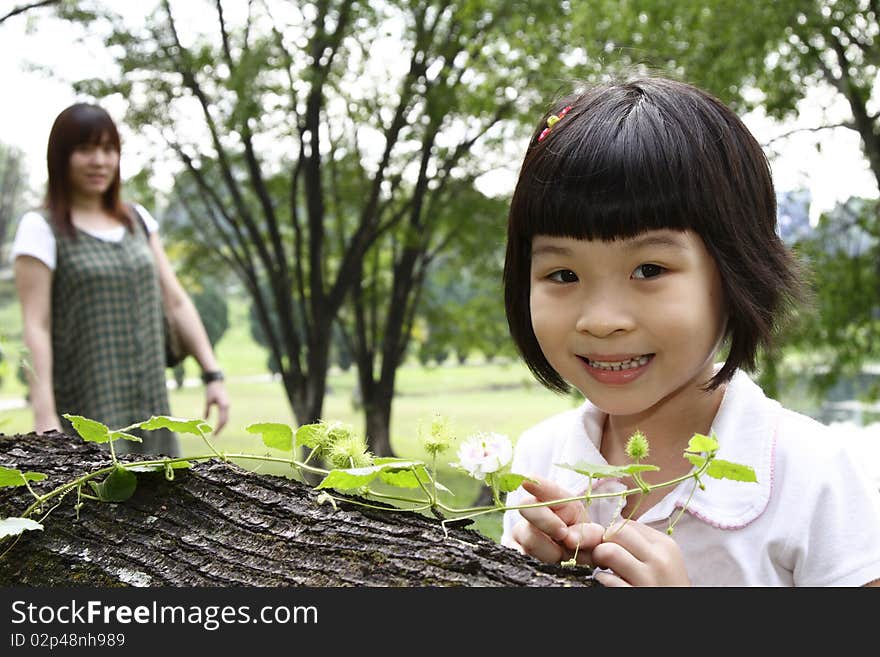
(93, 167)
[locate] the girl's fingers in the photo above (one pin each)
(537, 544)
(631, 535)
(544, 490)
(583, 537)
(610, 580)
(641, 556)
(623, 564)
(545, 520)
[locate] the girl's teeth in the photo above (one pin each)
(621, 365)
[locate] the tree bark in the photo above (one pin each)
(219, 525)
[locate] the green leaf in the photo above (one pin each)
(10, 478)
(721, 469)
(116, 435)
(702, 444)
(310, 435)
(117, 487)
(348, 479)
(176, 424)
(403, 473)
(90, 430)
(15, 526)
(509, 482)
(602, 471)
(158, 467)
(275, 435)
(358, 477)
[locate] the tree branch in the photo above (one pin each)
(23, 8)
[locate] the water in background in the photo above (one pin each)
(842, 408)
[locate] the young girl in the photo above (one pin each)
(91, 277)
(642, 242)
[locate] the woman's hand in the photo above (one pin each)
(46, 423)
(215, 395)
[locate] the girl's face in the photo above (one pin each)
(628, 322)
(93, 167)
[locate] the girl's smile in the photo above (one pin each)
(616, 369)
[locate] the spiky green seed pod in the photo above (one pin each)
(439, 439)
(349, 451)
(637, 447)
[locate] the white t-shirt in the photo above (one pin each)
(34, 236)
(812, 519)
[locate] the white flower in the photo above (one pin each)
(484, 453)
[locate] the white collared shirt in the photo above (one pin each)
(812, 519)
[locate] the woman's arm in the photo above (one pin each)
(33, 281)
(192, 331)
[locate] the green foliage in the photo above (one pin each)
(352, 478)
(10, 477)
(95, 432)
(118, 486)
(509, 482)
(13, 188)
(602, 471)
(178, 425)
(465, 282)
(700, 446)
(486, 456)
(275, 435)
(839, 330)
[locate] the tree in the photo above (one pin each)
(842, 330)
(386, 304)
(315, 131)
(13, 185)
(26, 7)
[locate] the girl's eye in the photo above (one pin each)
(563, 276)
(647, 271)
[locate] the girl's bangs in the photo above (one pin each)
(630, 182)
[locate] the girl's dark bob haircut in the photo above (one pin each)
(646, 154)
(79, 124)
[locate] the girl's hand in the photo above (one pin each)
(639, 556)
(551, 533)
(215, 394)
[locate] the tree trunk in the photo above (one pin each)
(219, 525)
(377, 411)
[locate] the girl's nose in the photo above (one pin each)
(604, 314)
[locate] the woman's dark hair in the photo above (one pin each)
(79, 124)
(647, 154)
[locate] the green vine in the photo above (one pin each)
(352, 468)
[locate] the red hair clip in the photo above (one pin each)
(552, 120)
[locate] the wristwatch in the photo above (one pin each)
(210, 377)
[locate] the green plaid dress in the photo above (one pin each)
(107, 336)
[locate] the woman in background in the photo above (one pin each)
(92, 278)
